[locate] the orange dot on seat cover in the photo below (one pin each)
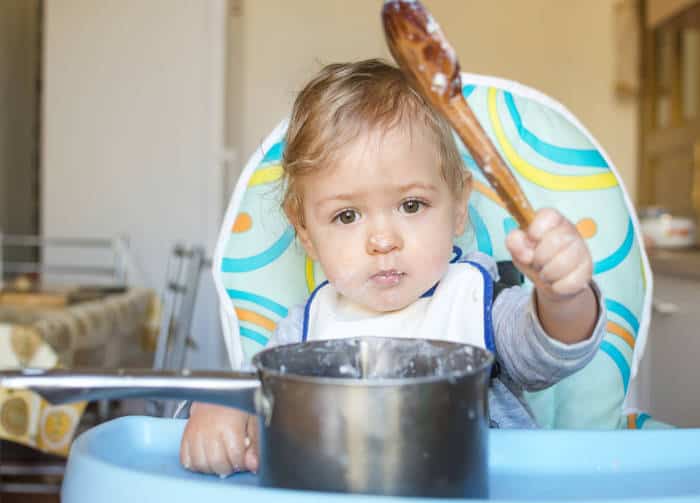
(243, 223)
(587, 228)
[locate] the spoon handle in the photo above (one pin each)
(427, 58)
(489, 160)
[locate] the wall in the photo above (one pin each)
(283, 44)
(133, 114)
(134, 97)
(565, 49)
(19, 64)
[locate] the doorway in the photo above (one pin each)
(20, 124)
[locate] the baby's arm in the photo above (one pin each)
(546, 335)
(526, 353)
(219, 440)
(554, 256)
(223, 440)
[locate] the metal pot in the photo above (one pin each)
(367, 415)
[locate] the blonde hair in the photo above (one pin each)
(346, 100)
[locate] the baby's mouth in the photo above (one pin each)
(389, 277)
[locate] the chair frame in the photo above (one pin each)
(117, 272)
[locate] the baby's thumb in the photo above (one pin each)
(251, 459)
(521, 247)
(185, 456)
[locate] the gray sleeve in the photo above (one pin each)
(485, 261)
(531, 358)
(289, 329)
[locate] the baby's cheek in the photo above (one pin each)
(349, 284)
(434, 261)
(436, 267)
(339, 268)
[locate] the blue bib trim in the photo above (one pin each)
(307, 308)
(488, 302)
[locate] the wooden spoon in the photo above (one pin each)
(424, 54)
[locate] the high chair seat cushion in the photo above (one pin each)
(260, 270)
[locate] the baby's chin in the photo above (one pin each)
(385, 303)
(382, 300)
(392, 308)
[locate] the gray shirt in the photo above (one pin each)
(529, 359)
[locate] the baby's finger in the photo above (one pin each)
(217, 457)
(185, 457)
(235, 449)
(251, 460)
(574, 282)
(558, 256)
(251, 454)
(545, 220)
(198, 453)
(521, 248)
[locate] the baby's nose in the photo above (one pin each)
(384, 242)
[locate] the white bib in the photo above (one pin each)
(457, 309)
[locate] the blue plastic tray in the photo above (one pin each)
(135, 459)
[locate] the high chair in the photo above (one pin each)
(260, 271)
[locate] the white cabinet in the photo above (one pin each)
(132, 133)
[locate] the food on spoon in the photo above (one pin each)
(424, 54)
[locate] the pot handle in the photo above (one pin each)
(232, 389)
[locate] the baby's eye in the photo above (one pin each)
(412, 206)
(346, 217)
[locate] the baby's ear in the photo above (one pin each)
(301, 231)
(305, 239)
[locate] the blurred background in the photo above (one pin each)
(134, 118)
(125, 124)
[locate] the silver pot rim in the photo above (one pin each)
(453, 376)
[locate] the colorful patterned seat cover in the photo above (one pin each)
(260, 270)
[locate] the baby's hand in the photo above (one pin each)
(553, 255)
(219, 440)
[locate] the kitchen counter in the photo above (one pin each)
(684, 263)
(674, 343)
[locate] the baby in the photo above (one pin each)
(376, 190)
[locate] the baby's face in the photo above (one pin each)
(381, 220)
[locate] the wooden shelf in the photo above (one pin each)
(662, 11)
(669, 133)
